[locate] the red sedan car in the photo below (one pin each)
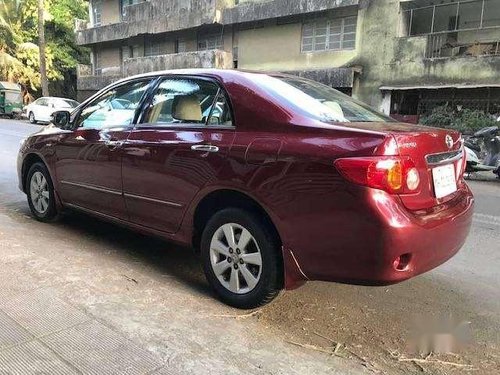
(274, 179)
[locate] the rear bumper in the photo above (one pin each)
(379, 231)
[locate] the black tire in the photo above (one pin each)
(50, 213)
(31, 118)
(270, 282)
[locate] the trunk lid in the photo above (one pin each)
(429, 148)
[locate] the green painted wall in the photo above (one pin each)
(390, 59)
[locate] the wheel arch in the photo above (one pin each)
(28, 161)
(217, 200)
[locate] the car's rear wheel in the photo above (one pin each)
(241, 259)
(32, 118)
(40, 192)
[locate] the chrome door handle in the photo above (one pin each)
(114, 144)
(205, 148)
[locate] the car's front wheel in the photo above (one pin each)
(40, 192)
(241, 259)
(32, 118)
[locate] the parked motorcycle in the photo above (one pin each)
(483, 151)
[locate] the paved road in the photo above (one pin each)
(83, 294)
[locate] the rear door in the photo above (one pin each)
(179, 147)
(89, 158)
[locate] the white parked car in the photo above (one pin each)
(41, 109)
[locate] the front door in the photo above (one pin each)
(179, 147)
(89, 158)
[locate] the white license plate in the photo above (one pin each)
(444, 180)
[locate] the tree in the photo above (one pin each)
(19, 43)
(41, 48)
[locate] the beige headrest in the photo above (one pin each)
(186, 108)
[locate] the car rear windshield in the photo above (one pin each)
(319, 101)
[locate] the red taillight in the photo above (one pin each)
(394, 174)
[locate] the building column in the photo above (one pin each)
(385, 106)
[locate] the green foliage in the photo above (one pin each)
(466, 121)
(19, 54)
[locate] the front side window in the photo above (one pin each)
(188, 101)
(116, 107)
(329, 35)
(318, 101)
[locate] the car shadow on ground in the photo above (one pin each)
(163, 257)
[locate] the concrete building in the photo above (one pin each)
(404, 57)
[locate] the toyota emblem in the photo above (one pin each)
(449, 141)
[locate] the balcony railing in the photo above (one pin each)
(81, 24)
(90, 78)
(462, 44)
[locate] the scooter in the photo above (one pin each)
(486, 158)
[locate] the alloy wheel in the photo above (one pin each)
(235, 258)
(39, 192)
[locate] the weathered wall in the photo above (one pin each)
(150, 17)
(278, 47)
(110, 12)
(203, 59)
(110, 56)
(251, 11)
(391, 60)
(336, 77)
(376, 46)
(94, 83)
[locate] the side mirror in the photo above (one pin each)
(61, 119)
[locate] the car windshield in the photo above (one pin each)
(65, 103)
(319, 101)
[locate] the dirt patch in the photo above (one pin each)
(372, 325)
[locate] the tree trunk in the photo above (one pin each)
(41, 46)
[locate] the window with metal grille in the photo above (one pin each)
(334, 35)
(152, 48)
(97, 12)
(97, 62)
(210, 42)
(455, 15)
(180, 45)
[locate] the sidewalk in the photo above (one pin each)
(86, 297)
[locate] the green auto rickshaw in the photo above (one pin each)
(11, 99)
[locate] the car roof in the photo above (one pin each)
(55, 97)
(222, 74)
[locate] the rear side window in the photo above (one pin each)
(188, 101)
(318, 101)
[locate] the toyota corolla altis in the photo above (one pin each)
(274, 179)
